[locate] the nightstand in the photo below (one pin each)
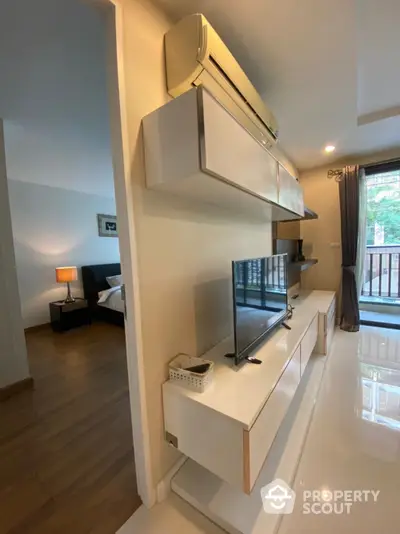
(65, 316)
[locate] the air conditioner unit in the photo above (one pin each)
(196, 55)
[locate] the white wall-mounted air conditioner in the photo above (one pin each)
(194, 51)
(196, 55)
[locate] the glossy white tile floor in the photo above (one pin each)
(354, 439)
(173, 516)
(353, 444)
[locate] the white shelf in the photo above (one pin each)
(230, 508)
(256, 382)
(231, 427)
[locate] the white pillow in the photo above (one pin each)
(106, 294)
(103, 295)
(114, 281)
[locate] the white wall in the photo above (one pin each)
(184, 249)
(13, 357)
(54, 227)
(53, 98)
(53, 94)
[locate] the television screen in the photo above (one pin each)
(259, 300)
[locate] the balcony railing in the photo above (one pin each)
(262, 274)
(381, 272)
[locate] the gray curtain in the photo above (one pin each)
(349, 192)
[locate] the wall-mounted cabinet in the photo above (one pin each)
(195, 148)
(230, 152)
(290, 192)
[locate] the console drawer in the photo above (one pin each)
(308, 343)
(258, 440)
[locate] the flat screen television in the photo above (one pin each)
(259, 301)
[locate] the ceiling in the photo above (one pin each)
(329, 70)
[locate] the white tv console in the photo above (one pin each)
(249, 426)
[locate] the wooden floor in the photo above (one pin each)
(66, 458)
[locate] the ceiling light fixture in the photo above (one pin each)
(330, 148)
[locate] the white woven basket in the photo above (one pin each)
(195, 381)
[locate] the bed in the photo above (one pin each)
(94, 281)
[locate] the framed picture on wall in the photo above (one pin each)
(107, 225)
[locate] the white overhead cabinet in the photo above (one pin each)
(290, 192)
(194, 147)
(229, 151)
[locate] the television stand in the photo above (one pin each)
(256, 419)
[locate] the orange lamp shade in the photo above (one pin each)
(66, 274)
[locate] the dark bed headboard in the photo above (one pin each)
(94, 279)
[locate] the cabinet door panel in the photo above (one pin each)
(258, 440)
(308, 343)
(229, 152)
(290, 192)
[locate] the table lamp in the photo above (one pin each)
(67, 275)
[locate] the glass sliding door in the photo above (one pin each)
(380, 286)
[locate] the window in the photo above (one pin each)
(383, 208)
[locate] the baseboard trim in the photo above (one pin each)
(164, 486)
(37, 328)
(17, 387)
(392, 326)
